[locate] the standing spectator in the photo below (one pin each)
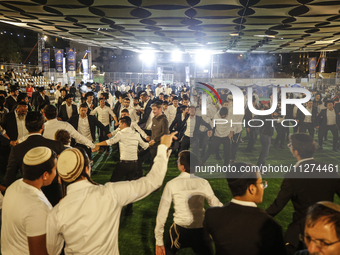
(29, 91)
(240, 227)
(42, 98)
(68, 109)
(11, 100)
(57, 94)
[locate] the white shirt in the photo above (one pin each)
(172, 113)
(88, 217)
(24, 214)
(190, 126)
(168, 91)
(158, 91)
(223, 130)
(52, 126)
(133, 113)
(308, 118)
(244, 203)
(22, 130)
(134, 126)
(69, 110)
(188, 193)
(84, 127)
(57, 94)
(128, 143)
(331, 117)
(103, 114)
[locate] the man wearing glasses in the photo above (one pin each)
(322, 229)
(240, 227)
(307, 183)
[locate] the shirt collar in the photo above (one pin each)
(303, 160)
(243, 203)
(51, 121)
(34, 134)
(78, 185)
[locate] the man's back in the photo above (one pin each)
(238, 229)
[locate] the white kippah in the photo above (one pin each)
(70, 164)
(37, 155)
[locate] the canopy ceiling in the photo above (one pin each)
(187, 25)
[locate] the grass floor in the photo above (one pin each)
(136, 233)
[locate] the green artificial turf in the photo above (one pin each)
(136, 233)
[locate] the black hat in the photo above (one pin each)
(117, 94)
(13, 88)
(41, 89)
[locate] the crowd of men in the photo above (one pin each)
(57, 208)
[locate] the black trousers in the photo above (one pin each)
(87, 149)
(323, 131)
(103, 136)
(194, 238)
(307, 126)
(234, 145)
(215, 145)
(280, 137)
(129, 170)
(203, 142)
(252, 139)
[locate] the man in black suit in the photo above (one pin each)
(116, 108)
(179, 125)
(307, 122)
(42, 98)
(328, 119)
(146, 111)
(61, 99)
(11, 100)
(304, 186)
(35, 126)
(239, 227)
(68, 109)
(85, 125)
(22, 97)
(14, 122)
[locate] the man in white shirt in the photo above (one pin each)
(173, 109)
(187, 192)
(159, 89)
(52, 125)
(128, 148)
(134, 126)
(127, 105)
(101, 205)
(25, 206)
(57, 94)
(103, 113)
(223, 132)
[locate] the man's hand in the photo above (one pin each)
(167, 139)
(116, 124)
(248, 130)
(13, 143)
(231, 135)
(109, 135)
(160, 250)
(58, 118)
(148, 139)
(209, 133)
(152, 142)
(95, 148)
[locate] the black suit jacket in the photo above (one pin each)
(63, 112)
(42, 101)
(240, 230)
(301, 117)
(322, 118)
(146, 114)
(17, 154)
(320, 186)
(10, 102)
(10, 125)
(179, 125)
(93, 123)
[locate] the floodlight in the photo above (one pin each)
(147, 57)
(176, 56)
(203, 57)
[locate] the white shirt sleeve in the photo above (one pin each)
(143, 144)
(114, 139)
(139, 130)
(54, 239)
(131, 191)
(210, 196)
(94, 111)
(78, 137)
(114, 132)
(162, 215)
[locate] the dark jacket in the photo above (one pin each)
(63, 112)
(320, 186)
(146, 114)
(93, 123)
(321, 120)
(10, 102)
(10, 125)
(16, 157)
(42, 101)
(301, 117)
(240, 230)
(160, 127)
(179, 125)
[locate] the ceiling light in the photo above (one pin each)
(176, 55)
(233, 34)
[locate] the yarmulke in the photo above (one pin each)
(330, 205)
(37, 155)
(70, 164)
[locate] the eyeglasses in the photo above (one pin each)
(321, 244)
(289, 145)
(264, 184)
